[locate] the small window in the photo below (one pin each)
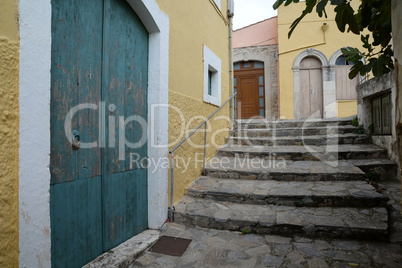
(237, 66)
(261, 80)
(247, 64)
(262, 102)
(210, 73)
(382, 119)
(258, 64)
(341, 60)
(212, 77)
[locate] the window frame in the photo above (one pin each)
(212, 77)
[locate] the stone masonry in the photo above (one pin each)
(317, 179)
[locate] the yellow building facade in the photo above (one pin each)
(198, 41)
(9, 54)
(314, 51)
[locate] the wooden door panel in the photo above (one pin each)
(305, 93)
(125, 86)
(345, 87)
(75, 80)
(75, 191)
(76, 222)
(316, 93)
(386, 112)
(100, 61)
(248, 98)
(311, 88)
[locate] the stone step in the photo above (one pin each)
(350, 138)
(378, 169)
(261, 123)
(298, 131)
(266, 169)
(289, 193)
(309, 153)
(324, 222)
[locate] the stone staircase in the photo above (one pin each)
(309, 178)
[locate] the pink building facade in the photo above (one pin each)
(255, 57)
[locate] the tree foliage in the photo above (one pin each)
(373, 16)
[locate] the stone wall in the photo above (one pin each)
(269, 55)
(397, 40)
(365, 93)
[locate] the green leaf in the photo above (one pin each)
(365, 15)
(277, 4)
(288, 2)
(356, 69)
(310, 4)
(321, 8)
(345, 16)
(352, 54)
(296, 22)
(338, 2)
(376, 67)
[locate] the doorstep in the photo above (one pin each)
(124, 254)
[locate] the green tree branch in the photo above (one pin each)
(373, 16)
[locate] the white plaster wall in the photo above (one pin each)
(35, 62)
(35, 45)
(330, 109)
(211, 61)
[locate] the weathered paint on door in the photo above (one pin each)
(249, 85)
(99, 61)
(345, 87)
(311, 88)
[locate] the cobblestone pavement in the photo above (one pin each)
(214, 248)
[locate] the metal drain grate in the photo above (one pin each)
(172, 246)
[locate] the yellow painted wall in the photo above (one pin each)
(346, 108)
(9, 135)
(192, 24)
(307, 34)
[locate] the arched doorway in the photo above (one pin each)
(249, 83)
(311, 88)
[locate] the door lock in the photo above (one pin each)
(76, 139)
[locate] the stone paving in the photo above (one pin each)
(312, 190)
(369, 223)
(295, 131)
(267, 192)
(214, 248)
(313, 205)
(349, 138)
(292, 152)
(287, 170)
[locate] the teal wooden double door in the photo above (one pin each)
(99, 78)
